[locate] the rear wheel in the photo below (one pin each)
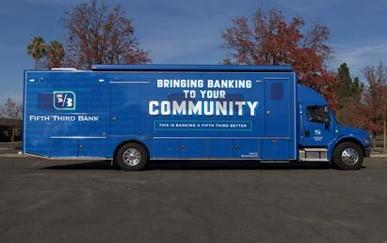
(131, 157)
(348, 156)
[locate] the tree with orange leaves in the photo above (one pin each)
(269, 39)
(101, 34)
(375, 97)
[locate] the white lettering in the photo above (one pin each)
(229, 84)
(221, 108)
(180, 83)
(240, 105)
(179, 109)
(152, 108)
(252, 106)
(159, 83)
(88, 118)
(165, 107)
(195, 109)
(207, 108)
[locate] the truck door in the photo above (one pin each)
(316, 128)
(279, 117)
(127, 106)
(93, 116)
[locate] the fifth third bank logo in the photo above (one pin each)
(64, 100)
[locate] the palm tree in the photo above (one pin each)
(37, 49)
(55, 54)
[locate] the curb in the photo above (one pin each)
(13, 156)
(378, 156)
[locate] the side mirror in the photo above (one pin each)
(327, 118)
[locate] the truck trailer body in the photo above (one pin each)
(133, 113)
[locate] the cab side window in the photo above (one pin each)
(316, 113)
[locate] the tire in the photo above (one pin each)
(348, 156)
(131, 157)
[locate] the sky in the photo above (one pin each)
(189, 31)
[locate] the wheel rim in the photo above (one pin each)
(131, 157)
(350, 156)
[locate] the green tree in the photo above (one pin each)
(348, 87)
(37, 49)
(349, 92)
(55, 53)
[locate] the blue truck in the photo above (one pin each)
(134, 113)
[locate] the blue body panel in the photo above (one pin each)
(243, 112)
(175, 111)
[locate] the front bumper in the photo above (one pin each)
(367, 152)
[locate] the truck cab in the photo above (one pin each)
(322, 138)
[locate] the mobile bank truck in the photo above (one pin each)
(134, 113)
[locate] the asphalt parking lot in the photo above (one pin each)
(86, 201)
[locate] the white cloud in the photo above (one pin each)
(357, 57)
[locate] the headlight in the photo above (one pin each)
(370, 135)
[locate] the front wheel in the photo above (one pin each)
(131, 157)
(348, 156)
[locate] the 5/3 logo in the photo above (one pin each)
(64, 100)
